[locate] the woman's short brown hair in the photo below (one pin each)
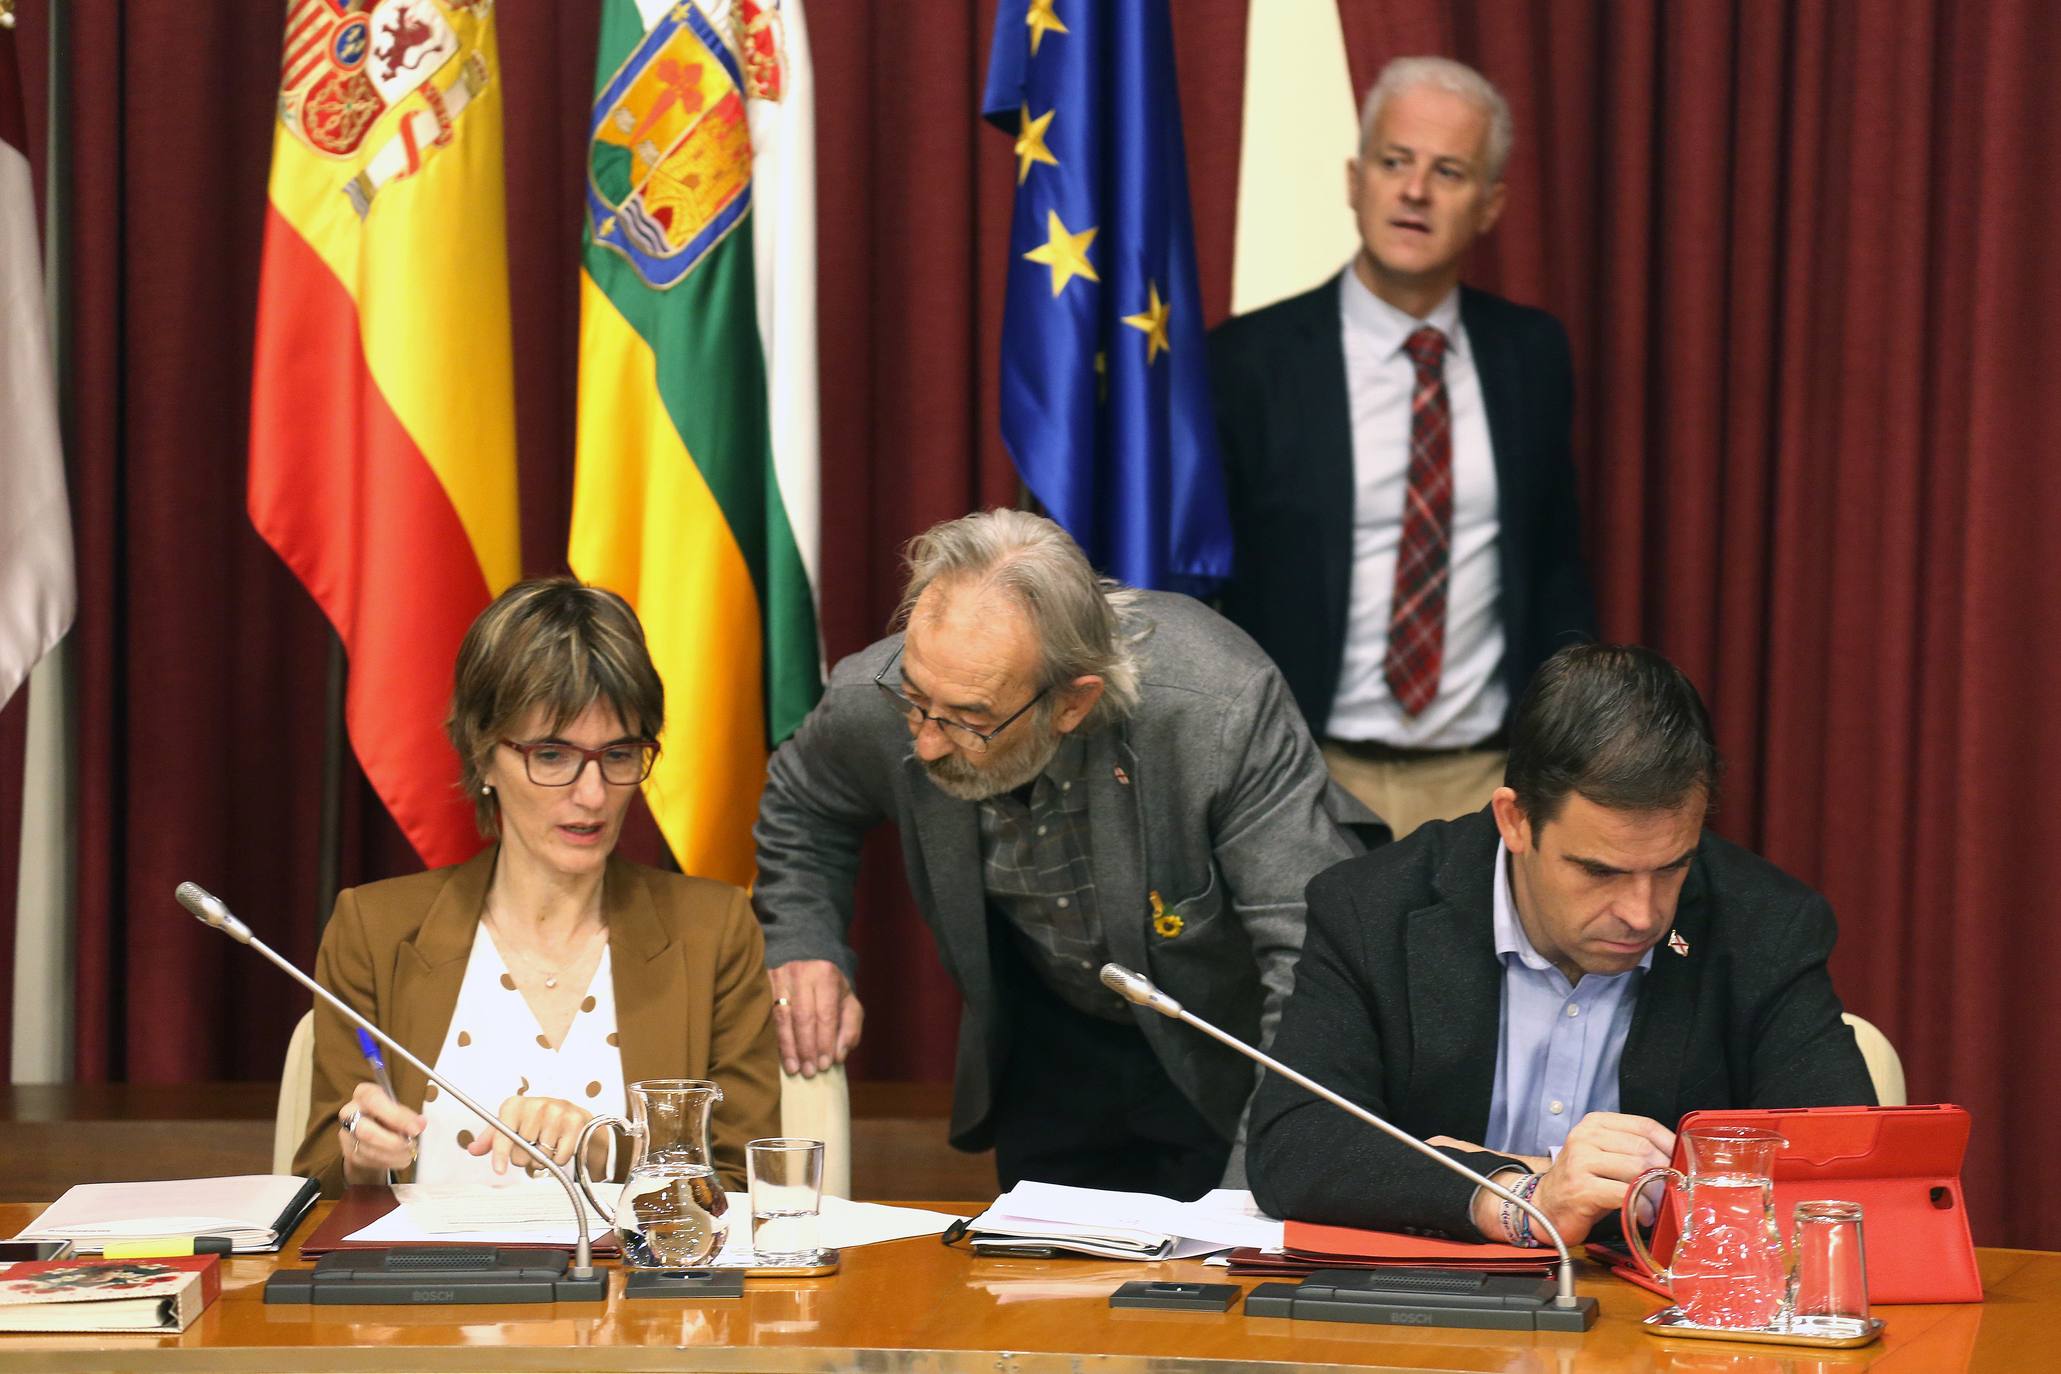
(555, 645)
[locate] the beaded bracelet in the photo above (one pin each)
(1531, 1186)
(1516, 1221)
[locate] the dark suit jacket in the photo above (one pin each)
(691, 995)
(1278, 379)
(1398, 1002)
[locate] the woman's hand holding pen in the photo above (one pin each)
(376, 1134)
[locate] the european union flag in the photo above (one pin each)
(1105, 387)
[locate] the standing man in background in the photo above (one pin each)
(1397, 448)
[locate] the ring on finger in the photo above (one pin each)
(351, 1122)
(782, 1002)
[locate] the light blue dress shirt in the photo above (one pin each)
(1558, 1045)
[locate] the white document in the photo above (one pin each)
(242, 1207)
(534, 1212)
(522, 1212)
(1231, 1216)
(846, 1223)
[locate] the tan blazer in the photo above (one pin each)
(691, 995)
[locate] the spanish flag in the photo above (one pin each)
(694, 494)
(382, 447)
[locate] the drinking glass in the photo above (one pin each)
(786, 1177)
(1830, 1288)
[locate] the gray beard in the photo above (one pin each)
(1005, 772)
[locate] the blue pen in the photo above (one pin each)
(369, 1047)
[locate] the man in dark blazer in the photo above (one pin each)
(1080, 773)
(1336, 428)
(1543, 989)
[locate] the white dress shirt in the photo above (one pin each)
(1380, 379)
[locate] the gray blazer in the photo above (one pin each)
(1210, 795)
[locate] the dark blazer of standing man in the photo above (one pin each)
(1322, 409)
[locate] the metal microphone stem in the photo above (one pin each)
(195, 901)
(1135, 987)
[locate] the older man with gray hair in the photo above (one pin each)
(1080, 772)
(1397, 450)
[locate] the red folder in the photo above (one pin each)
(1902, 1164)
(1382, 1249)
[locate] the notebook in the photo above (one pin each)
(254, 1211)
(1050, 1217)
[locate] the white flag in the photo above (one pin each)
(782, 113)
(1294, 227)
(36, 590)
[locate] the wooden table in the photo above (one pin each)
(917, 1305)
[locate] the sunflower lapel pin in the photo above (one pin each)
(1165, 924)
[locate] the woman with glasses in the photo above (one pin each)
(544, 974)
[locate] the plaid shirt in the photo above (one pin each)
(1036, 860)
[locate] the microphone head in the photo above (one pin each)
(209, 908)
(201, 902)
(1136, 987)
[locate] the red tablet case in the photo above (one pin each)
(1902, 1164)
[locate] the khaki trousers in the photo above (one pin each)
(1408, 792)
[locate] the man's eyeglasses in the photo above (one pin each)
(554, 763)
(964, 736)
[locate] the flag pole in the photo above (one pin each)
(330, 840)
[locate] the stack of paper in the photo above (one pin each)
(255, 1211)
(536, 1213)
(1113, 1225)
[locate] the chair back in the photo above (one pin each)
(1885, 1066)
(296, 1085)
(820, 1108)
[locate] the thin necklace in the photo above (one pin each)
(551, 975)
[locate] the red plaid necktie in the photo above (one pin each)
(1417, 614)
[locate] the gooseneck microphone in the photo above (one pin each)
(1135, 987)
(211, 911)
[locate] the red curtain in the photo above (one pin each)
(1803, 254)
(1805, 261)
